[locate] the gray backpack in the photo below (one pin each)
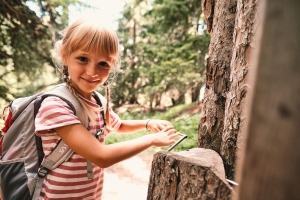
(22, 164)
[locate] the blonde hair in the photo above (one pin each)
(89, 36)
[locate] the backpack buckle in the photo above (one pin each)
(43, 172)
(99, 133)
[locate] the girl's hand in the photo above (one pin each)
(155, 125)
(165, 137)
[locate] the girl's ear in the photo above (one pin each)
(63, 58)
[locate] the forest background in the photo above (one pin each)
(163, 44)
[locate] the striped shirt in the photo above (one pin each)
(69, 180)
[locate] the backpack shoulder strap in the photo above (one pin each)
(61, 152)
(101, 100)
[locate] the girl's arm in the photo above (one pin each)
(130, 126)
(86, 145)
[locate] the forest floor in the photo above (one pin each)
(128, 179)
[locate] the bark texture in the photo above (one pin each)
(195, 174)
(270, 161)
(220, 18)
(243, 38)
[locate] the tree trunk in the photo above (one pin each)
(195, 174)
(196, 92)
(158, 99)
(220, 18)
(222, 119)
(268, 167)
(134, 74)
(243, 39)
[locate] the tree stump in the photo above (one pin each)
(188, 175)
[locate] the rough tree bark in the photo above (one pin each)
(232, 25)
(195, 174)
(246, 22)
(220, 19)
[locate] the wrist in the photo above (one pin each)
(147, 124)
(151, 139)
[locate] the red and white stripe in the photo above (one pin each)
(69, 180)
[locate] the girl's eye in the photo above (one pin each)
(82, 59)
(104, 64)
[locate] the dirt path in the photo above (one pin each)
(128, 179)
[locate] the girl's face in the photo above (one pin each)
(87, 71)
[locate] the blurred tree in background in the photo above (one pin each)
(164, 46)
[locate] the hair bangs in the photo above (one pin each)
(94, 38)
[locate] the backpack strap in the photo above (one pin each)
(62, 152)
(102, 102)
(97, 97)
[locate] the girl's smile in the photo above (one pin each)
(91, 81)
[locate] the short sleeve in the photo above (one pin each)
(53, 113)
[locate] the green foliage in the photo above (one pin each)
(26, 40)
(163, 51)
(184, 123)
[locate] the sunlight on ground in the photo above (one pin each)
(128, 179)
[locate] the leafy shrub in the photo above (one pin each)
(183, 122)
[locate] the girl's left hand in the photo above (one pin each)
(156, 125)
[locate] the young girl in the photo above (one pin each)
(89, 52)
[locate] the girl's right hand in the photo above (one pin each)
(165, 137)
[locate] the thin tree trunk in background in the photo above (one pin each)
(268, 167)
(243, 39)
(158, 100)
(134, 73)
(220, 19)
(196, 92)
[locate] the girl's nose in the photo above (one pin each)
(92, 71)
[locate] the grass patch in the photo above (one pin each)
(182, 121)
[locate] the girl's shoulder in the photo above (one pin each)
(54, 112)
(53, 100)
(54, 104)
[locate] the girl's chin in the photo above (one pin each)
(87, 87)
